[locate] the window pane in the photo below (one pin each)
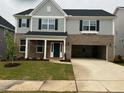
(51, 26)
(92, 25)
(22, 42)
(22, 48)
(86, 25)
(51, 23)
(44, 26)
(24, 23)
(39, 49)
(44, 23)
(93, 28)
(86, 28)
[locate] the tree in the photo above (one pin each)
(11, 48)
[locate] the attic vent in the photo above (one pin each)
(48, 8)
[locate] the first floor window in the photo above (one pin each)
(39, 46)
(89, 25)
(22, 45)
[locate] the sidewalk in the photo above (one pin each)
(49, 85)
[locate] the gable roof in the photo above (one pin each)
(76, 12)
(5, 23)
(53, 2)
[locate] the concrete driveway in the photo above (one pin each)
(98, 76)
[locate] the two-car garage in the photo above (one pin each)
(89, 51)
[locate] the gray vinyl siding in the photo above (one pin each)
(22, 29)
(106, 26)
(119, 33)
(2, 43)
(3, 32)
(42, 11)
(35, 24)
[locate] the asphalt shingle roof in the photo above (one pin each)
(26, 12)
(79, 12)
(76, 12)
(5, 23)
(47, 33)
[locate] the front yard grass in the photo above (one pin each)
(36, 70)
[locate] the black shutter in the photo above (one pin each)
(81, 22)
(56, 24)
(39, 26)
(98, 23)
(20, 22)
(28, 22)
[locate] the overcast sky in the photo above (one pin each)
(10, 7)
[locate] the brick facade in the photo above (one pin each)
(106, 40)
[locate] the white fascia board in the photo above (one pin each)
(48, 17)
(92, 17)
(46, 38)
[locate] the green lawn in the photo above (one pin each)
(36, 70)
(38, 92)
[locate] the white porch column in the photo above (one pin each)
(26, 49)
(45, 48)
(64, 48)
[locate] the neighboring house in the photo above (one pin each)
(48, 31)
(5, 27)
(119, 31)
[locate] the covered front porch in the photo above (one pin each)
(45, 48)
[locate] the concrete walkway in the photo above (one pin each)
(49, 85)
(98, 76)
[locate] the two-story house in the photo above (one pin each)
(48, 31)
(5, 27)
(119, 31)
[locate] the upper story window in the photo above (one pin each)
(48, 24)
(89, 25)
(24, 22)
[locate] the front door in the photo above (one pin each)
(56, 49)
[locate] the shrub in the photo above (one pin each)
(118, 59)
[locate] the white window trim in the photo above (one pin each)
(48, 23)
(39, 46)
(21, 46)
(90, 31)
